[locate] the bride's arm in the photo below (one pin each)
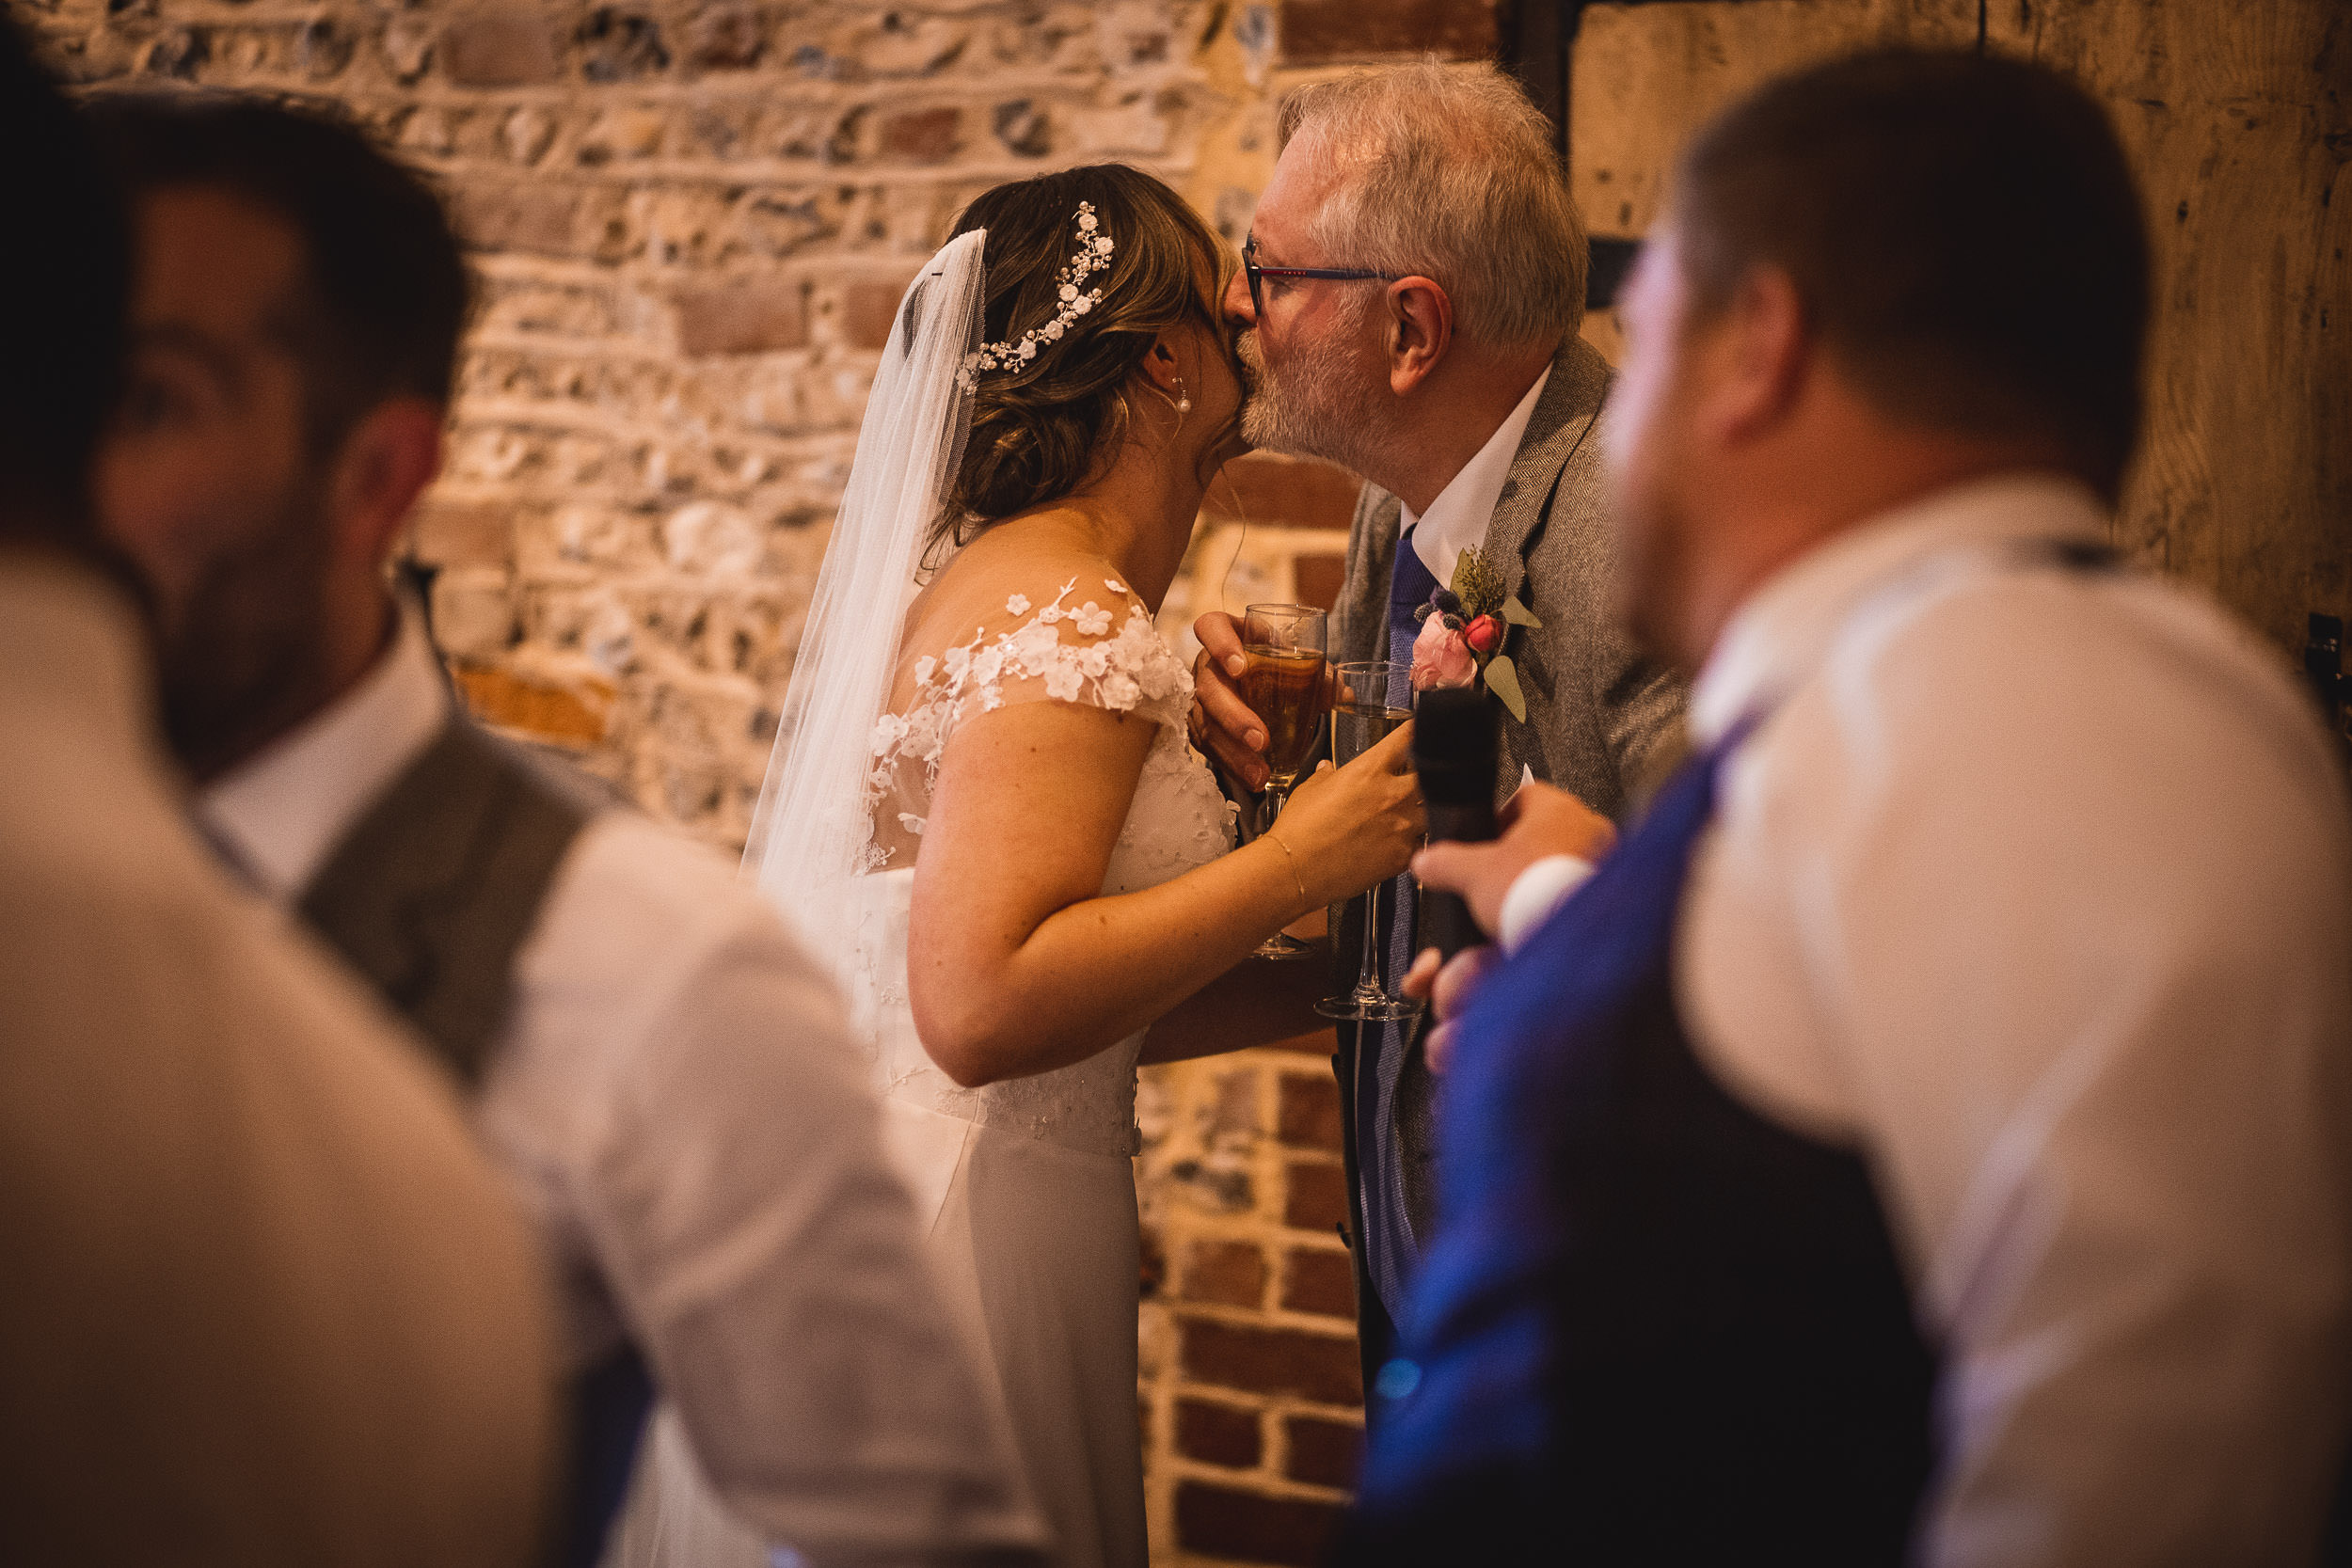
(1017, 966)
(1254, 1002)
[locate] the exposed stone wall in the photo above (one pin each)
(692, 223)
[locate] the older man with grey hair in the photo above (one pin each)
(1408, 309)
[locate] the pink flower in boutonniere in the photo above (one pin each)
(1463, 629)
(1440, 657)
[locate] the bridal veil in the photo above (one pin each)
(811, 834)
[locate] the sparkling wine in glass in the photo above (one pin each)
(1360, 719)
(1283, 685)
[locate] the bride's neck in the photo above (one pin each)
(1140, 516)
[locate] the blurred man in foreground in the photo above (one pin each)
(1925, 1137)
(263, 1302)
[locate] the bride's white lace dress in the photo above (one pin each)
(1024, 1189)
(1026, 1186)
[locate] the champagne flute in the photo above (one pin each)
(1284, 645)
(1360, 721)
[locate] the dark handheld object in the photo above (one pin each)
(1453, 752)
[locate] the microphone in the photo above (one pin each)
(1454, 741)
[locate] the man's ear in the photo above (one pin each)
(1419, 327)
(1761, 355)
(386, 460)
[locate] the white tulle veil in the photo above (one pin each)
(810, 834)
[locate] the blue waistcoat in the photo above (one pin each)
(1654, 1328)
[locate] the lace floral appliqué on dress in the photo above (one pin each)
(1064, 652)
(1095, 655)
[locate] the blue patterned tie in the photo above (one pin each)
(1388, 1239)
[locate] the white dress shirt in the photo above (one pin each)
(262, 1301)
(1456, 519)
(676, 1098)
(2037, 885)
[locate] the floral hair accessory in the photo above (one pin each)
(1092, 255)
(1463, 628)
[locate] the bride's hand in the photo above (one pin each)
(1348, 828)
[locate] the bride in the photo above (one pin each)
(986, 814)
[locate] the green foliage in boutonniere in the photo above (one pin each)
(1463, 629)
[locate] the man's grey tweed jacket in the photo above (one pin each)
(1596, 710)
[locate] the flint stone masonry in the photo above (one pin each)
(691, 224)
(501, 49)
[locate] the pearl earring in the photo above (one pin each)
(1183, 401)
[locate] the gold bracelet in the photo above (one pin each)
(1292, 861)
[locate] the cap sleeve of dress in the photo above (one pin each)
(1090, 642)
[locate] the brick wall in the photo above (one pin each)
(691, 220)
(1251, 1397)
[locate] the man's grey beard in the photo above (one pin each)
(1313, 409)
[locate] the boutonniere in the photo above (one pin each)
(1463, 629)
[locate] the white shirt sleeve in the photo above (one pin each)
(2054, 926)
(1534, 893)
(718, 1152)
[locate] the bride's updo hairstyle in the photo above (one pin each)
(1044, 427)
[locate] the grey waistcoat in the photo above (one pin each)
(432, 893)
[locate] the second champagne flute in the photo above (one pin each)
(1360, 719)
(1283, 685)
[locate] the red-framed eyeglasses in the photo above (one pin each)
(1337, 274)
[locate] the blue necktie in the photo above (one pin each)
(1388, 1240)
